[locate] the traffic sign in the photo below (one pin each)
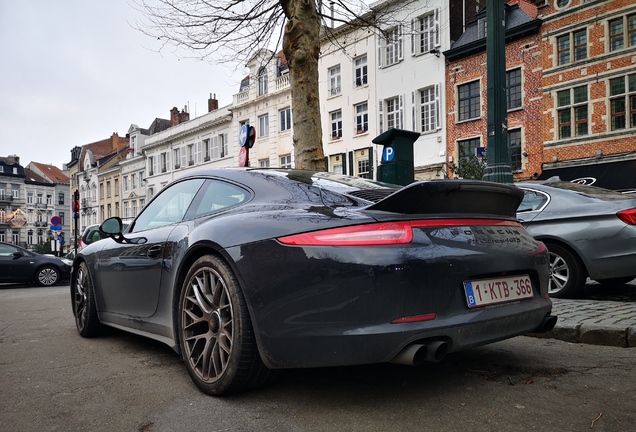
(242, 160)
(56, 220)
(56, 228)
(387, 154)
(243, 134)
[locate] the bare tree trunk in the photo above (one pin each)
(301, 44)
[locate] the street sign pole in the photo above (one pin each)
(498, 167)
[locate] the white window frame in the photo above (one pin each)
(335, 80)
(425, 33)
(390, 49)
(360, 71)
(263, 125)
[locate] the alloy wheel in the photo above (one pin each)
(208, 324)
(80, 299)
(559, 274)
(48, 276)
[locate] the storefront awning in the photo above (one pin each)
(619, 175)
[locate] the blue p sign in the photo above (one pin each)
(387, 154)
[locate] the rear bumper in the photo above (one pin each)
(377, 344)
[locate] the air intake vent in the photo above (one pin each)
(373, 195)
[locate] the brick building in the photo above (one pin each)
(466, 90)
(589, 91)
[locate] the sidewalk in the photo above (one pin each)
(594, 322)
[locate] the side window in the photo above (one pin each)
(216, 195)
(532, 201)
(169, 206)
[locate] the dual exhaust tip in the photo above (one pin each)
(416, 354)
(436, 350)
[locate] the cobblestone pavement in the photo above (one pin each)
(601, 316)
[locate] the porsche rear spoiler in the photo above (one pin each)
(453, 196)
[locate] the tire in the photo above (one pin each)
(613, 282)
(567, 273)
(215, 331)
(84, 308)
(47, 276)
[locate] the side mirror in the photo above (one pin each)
(111, 226)
(17, 254)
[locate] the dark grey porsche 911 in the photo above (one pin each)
(245, 271)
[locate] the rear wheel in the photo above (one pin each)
(47, 276)
(84, 308)
(215, 332)
(567, 274)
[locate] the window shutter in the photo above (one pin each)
(401, 113)
(380, 117)
(414, 111)
(400, 42)
(438, 123)
(413, 31)
(381, 45)
(371, 168)
(351, 170)
(198, 152)
(327, 163)
(436, 28)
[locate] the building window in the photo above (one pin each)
(334, 81)
(620, 30)
(263, 125)
(60, 198)
(29, 197)
(360, 69)
(394, 113)
(572, 112)
(469, 101)
(514, 146)
(362, 163)
(391, 46)
(623, 102)
(429, 109)
(263, 163)
(286, 161)
(426, 33)
(206, 150)
(107, 189)
(262, 81)
(362, 117)
(467, 148)
(125, 180)
(336, 124)
(15, 193)
(285, 119)
(116, 187)
(562, 3)
(572, 46)
(177, 158)
(513, 89)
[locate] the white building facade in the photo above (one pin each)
(189, 146)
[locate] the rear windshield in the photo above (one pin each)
(589, 191)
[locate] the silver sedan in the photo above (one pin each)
(589, 232)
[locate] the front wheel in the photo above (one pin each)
(84, 308)
(47, 276)
(567, 274)
(215, 332)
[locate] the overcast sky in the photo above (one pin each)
(75, 71)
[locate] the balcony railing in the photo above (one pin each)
(241, 97)
(282, 82)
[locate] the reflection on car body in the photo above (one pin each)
(246, 271)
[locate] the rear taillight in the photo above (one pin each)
(378, 234)
(627, 216)
(359, 235)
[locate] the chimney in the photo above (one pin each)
(174, 117)
(213, 103)
(114, 141)
(184, 115)
(14, 159)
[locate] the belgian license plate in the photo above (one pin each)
(484, 292)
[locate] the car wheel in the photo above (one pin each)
(47, 276)
(612, 282)
(567, 274)
(215, 331)
(84, 308)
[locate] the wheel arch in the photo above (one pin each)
(194, 253)
(559, 242)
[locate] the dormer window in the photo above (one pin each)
(262, 81)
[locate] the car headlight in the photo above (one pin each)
(68, 262)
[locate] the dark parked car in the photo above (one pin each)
(92, 234)
(244, 271)
(589, 232)
(18, 265)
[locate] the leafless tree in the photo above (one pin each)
(215, 28)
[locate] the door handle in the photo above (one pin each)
(154, 251)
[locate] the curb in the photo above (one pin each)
(593, 322)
